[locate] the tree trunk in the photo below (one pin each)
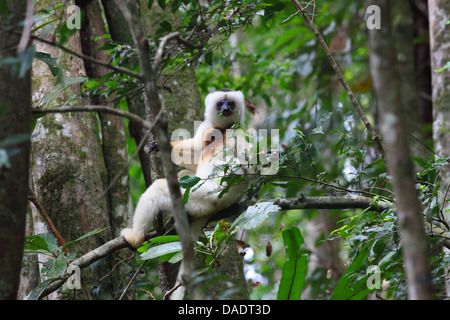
(403, 33)
(68, 173)
(120, 32)
(439, 12)
(422, 62)
(388, 86)
(112, 126)
(15, 101)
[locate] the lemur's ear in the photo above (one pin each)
(250, 106)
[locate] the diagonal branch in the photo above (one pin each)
(33, 199)
(89, 58)
(375, 135)
(93, 108)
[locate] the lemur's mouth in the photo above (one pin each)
(225, 113)
(225, 107)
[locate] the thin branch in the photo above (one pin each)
(93, 108)
(25, 38)
(132, 279)
(375, 135)
(168, 293)
(86, 260)
(33, 199)
(160, 51)
(332, 202)
(89, 58)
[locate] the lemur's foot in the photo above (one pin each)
(134, 238)
(152, 146)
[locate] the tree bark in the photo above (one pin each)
(15, 101)
(120, 32)
(403, 33)
(388, 87)
(439, 12)
(68, 172)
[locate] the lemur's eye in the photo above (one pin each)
(219, 104)
(231, 104)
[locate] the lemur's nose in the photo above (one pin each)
(226, 110)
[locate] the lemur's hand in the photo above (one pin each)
(152, 146)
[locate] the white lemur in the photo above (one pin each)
(223, 109)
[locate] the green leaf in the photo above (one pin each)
(447, 66)
(187, 182)
(14, 140)
(209, 58)
(36, 292)
(317, 130)
(44, 243)
(48, 60)
(178, 256)
(163, 249)
(164, 239)
(294, 270)
(93, 232)
(293, 278)
(292, 239)
(111, 84)
(54, 266)
(60, 87)
(254, 216)
(26, 60)
(349, 289)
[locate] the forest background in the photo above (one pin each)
(359, 91)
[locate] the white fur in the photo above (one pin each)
(211, 115)
(203, 201)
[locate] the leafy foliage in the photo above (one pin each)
(46, 244)
(294, 270)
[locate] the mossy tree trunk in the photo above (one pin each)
(439, 12)
(387, 83)
(68, 172)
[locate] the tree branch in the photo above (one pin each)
(89, 58)
(324, 202)
(86, 260)
(332, 202)
(33, 199)
(103, 109)
(359, 109)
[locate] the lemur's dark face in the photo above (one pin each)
(225, 107)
